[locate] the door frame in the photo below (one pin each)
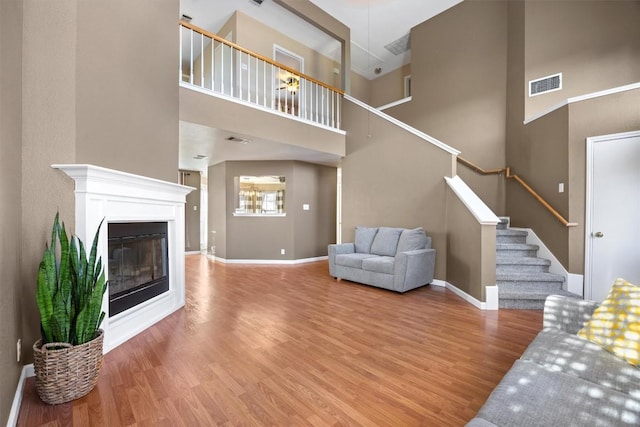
(588, 241)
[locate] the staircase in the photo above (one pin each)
(523, 279)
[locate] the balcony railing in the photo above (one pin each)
(214, 64)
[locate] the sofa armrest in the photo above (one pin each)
(338, 249)
(413, 269)
(566, 313)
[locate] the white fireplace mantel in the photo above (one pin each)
(123, 197)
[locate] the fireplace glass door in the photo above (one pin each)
(138, 263)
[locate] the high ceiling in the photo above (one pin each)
(377, 23)
(373, 24)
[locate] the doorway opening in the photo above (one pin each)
(289, 90)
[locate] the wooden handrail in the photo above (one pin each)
(530, 190)
(479, 170)
(257, 55)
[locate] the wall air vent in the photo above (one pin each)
(545, 84)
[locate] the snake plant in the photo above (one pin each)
(70, 289)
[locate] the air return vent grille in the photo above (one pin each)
(545, 84)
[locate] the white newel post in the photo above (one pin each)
(123, 197)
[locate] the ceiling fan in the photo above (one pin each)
(291, 84)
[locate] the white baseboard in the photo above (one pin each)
(572, 282)
(27, 371)
(575, 284)
(492, 295)
(268, 261)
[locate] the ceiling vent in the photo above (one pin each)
(545, 84)
(399, 46)
(238, 140)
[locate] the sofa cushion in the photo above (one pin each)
(379, 264)
(364, 238)
(410, 240)
(352, 260)
(615, 324)
(385, 242)
(564, 352)
(533, 395)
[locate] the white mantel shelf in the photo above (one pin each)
(119, 196)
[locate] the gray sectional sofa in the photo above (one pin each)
(397, 259)
(564, 380)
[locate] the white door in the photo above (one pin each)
(613, 212)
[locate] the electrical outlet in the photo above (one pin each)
(19, 350)
(281, 251)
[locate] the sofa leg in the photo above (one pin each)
(337, 279)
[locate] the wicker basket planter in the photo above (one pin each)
(65, 372)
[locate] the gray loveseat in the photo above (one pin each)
(397, 259)
(564, 380)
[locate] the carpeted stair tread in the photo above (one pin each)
(532, 294)
(511, 232)
(516, 246)
(523, 279)
(522, 261)
(528, 277)
(503, 224)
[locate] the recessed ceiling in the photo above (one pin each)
(197, 140)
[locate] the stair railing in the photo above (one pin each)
(509, 175)
(215, 64)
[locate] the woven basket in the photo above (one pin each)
(65, 372)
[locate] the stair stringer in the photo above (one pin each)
(572, 282)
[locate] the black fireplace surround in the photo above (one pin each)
(138, 263)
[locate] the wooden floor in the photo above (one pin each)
(290, 346)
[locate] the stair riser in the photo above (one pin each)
(511, 239)
(521, 268)
(521, 304)
(549, 287)
(515, 253)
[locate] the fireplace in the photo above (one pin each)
(141, 245)
(138, 263)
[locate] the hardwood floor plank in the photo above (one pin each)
(259, 345)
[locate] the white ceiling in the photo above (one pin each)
(212, 143)
(376, 23)
(373, 24)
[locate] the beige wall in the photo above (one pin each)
(390, 87)
(595, 44)
(601, 116)
(217, 209)
(459, 89)
(393, 178)
(10, 208)
(311, 13)
(48, 136)
(301, 233)
(259, 38)
(471, 254)
(191, 210)
(315, 228)
(589, 40)
(87, 99)
(360, 88)
(127, 102)
(218, 113)
(541, 159)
